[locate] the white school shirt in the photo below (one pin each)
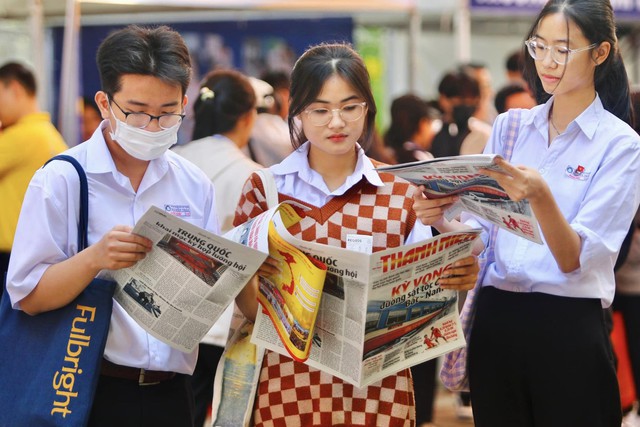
(593, 171)
(295, 178)
(47, 232)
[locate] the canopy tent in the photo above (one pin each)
(39, 11)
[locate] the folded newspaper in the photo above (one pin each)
(479, 194)
(181, 288)
(363, 316)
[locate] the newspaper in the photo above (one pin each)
(479, 194)
(185, 283)
(375, 314)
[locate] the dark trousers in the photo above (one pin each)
(202, 380)
(124, 403)
(424, 387)
(629, 306)
(538, 360)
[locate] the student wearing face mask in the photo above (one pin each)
(144, 74)
(459, 97)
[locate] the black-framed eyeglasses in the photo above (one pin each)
(142, 120)
(348, 113)
(561, 55)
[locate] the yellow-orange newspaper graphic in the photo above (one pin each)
(291, 297)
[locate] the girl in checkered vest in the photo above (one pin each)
(331, 121)
(539, 351)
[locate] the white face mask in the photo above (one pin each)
(142, 144)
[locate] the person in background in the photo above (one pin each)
(225, 112)
(91, 118)
(539, 313)
(459, 99)
(409, 135)
(627, 297)
(514, 66)
(27, 141)
(329, 173)
(410, 132)
(144, 74)
(269, 142)
(513, 96)
(484, 111)
(281, 84)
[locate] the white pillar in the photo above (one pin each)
(36, 31)
(415, 33)
(68, 106)
(463, 31)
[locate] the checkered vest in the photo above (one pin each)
(382, 212)
(294, 394)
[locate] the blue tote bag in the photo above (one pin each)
(50, 362)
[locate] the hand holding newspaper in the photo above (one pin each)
(181, 288)
(374, 314)
(479, 194)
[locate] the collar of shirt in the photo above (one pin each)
(587, 121)
(294, 177)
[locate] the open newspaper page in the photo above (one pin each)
(377, 311)
(479, 194)
(181, 288)
(239, 368)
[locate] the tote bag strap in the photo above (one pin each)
(84, 199)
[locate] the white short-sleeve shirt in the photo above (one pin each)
(47, 231)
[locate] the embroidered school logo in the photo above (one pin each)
(183, 211)
(577, 173)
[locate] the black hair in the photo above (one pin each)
(90, 103)
(313, 69)
(14, 71)
(500, 100)
(159, 52)
(407, 111)
(225, 96)
(459, 84)
(277, 79)
(515, 61)
(596, 21)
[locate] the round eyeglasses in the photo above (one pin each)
(561, 55)
(348, 113)
(142, 120)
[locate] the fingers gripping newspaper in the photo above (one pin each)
(181, 288)
(371, 315)
(479, 194)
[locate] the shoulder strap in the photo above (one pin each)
(269, 185)
(84, 199)
(513, 128)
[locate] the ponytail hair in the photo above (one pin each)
(224, 97)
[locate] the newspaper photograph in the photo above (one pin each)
(185, 283)
(379, 313)
(479, 194)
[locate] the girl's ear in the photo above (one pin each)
(601, 52)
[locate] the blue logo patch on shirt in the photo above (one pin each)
(577, 173)
(183, 211)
